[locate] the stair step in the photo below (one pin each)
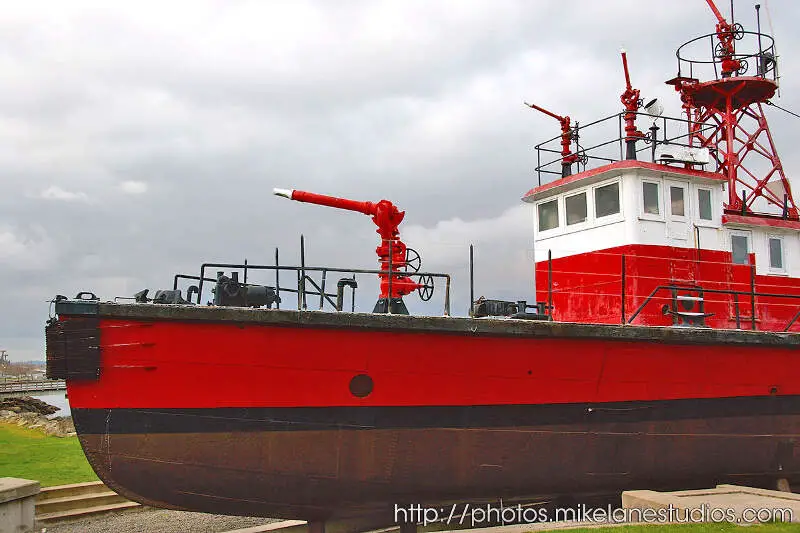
(86, 511)
(61, 491)
(80, 501)
(690, 298)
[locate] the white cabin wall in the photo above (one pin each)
(597, 233)
(628, 193)
(588, 240)
(664, 229)
(633, 226)
(760, 245)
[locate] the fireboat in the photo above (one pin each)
(661, 349)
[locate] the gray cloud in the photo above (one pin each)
(140, 140)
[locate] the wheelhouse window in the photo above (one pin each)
(650, 203)
(740, 249)
(776, 253)
(548, 215)
(575, 208)
(677, 207)
(704, 203)
(606, 200)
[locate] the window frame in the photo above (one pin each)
(642, 213)
(613, 217)
(770, 268)
(560, 206)
(589, 211)
(687, 205)
(713, 223)
(741, 233)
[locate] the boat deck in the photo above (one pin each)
(425, 324)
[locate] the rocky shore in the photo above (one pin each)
(35, 414)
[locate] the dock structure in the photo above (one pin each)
(31, 385)
(17, 503)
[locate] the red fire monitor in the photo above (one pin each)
(387, 217)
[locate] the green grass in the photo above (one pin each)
(30, 454)
(693, 528)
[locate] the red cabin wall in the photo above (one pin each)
(588, 287)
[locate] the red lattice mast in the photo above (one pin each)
(726, 116)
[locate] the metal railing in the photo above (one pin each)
(735, 294)
(612, 149)
(31, 385)
(620, 277)
(304, 280)
(762, 54)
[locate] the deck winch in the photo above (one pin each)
(230, 292)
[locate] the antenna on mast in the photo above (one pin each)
(567, 157)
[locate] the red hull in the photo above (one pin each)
(191, 365)
(211, 400)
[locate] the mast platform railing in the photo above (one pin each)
(760, 52)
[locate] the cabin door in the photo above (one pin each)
(740, 243)
(678, 219)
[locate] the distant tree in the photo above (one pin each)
(19, 370)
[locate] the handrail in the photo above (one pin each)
(594, 153)
(305, 269)
(766, 50)
(733, 293)
(31, 385)
(792, 321)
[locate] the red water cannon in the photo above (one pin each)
(631, 100)
(387, 217)
(567, 157)
(727, 34)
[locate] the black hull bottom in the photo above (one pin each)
(302, 464)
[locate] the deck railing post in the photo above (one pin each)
(389, 302)
(277, 281)
(447, 297)
(322, 289)
(303, 271)
(539, 165)
(753, 296)
(471, 279)
(550, 283)
(200, 285)
(623, 289)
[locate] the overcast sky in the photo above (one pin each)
(139, 139)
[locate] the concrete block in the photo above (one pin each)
(17, 504)
(724, 503)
